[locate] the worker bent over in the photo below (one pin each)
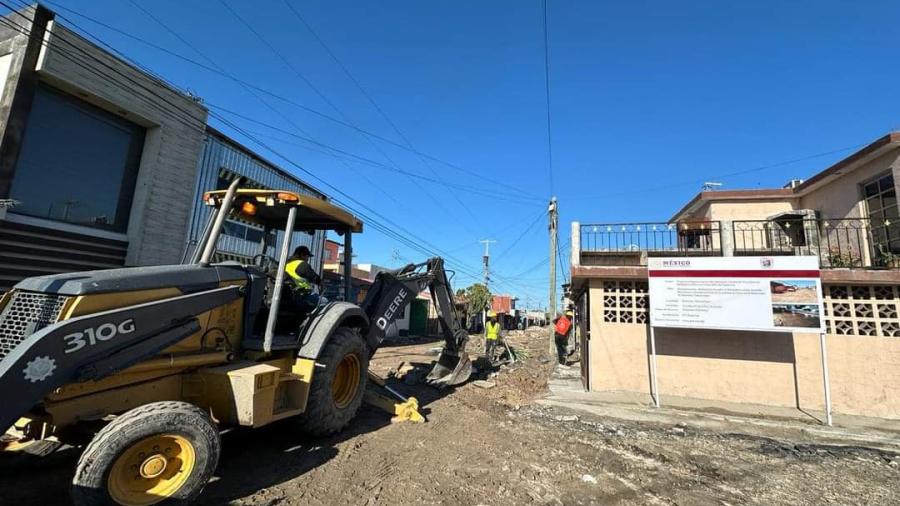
(303, 276)
(491, 336)
(561, 332)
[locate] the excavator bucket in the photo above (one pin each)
(451, 368)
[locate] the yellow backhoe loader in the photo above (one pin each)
(144, 367)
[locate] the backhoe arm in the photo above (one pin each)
(393, 291)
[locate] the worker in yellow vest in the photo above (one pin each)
(491, 336)
(303, 276)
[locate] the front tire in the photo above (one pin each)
(163, 452)
(337, 390)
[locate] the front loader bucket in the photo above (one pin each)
(451, 368)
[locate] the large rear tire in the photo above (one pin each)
(337, 390)
(159, 453)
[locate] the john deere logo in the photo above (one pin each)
(39, 369)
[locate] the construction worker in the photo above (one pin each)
(303, 276)
(563, 329)
(491, 336)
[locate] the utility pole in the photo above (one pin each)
(553, 217)
(486, 259)
(487, 275)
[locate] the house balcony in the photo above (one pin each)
(630, 244)
(840, 244)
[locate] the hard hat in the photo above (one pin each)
(569, 313)
(492, 314)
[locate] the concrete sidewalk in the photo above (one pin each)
(566, 391)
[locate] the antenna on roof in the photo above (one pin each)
(709, 186)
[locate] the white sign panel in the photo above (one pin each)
(775, 294)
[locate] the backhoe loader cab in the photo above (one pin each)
(143, 367)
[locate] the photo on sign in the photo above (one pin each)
(794, 291)
(796, 315)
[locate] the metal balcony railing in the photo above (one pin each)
(839, 243)
(702, 238)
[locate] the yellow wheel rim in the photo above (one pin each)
(151, 470)
(346, 381)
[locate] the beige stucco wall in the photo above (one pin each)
(749, 210)
(751, 367)
(842, 198)
(741, 209)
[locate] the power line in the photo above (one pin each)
(470, 172)
(519, 238)
(313, 111)
(547, 89)
(331, 149)
(256, 95)
(81, 63)
(371, 100)
(721, 176)
(478, 191)
(427, 249)
(177, 111)
(325, 99)
(562, 267)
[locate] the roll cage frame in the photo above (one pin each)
(327, 217)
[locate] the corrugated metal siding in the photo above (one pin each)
(219, 155)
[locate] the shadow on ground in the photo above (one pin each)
(251, 460)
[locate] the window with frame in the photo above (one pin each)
(77, 164)
(884, 217)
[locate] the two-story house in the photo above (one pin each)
(846, 215)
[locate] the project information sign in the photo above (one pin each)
(775, 294)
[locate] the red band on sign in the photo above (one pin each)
(735, 274)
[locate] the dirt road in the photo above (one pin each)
(494, 446)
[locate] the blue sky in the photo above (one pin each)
(649, 100)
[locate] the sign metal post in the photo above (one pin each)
(654, 388)
(824, 354)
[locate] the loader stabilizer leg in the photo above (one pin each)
(385, 398)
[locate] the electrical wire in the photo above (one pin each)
(519, 238)
(177, 111)
(372, 101)
(721, 176)
(559, 257)
(375, 163)
(438, 202)
(547, 90)
(425, 248)
(259, 98)
(332, 149)
(470, 172)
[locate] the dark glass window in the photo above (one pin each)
(884, 216)
(78, 163)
